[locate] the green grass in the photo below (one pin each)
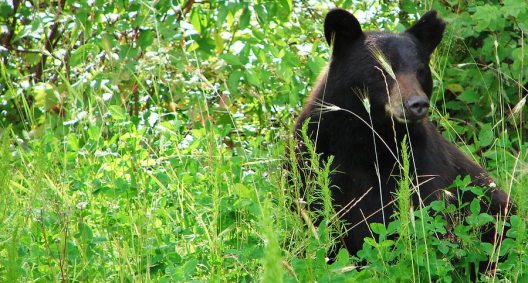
(141, 204)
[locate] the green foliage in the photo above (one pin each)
(144, 141)
(445, 244)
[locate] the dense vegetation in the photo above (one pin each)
(145, 141)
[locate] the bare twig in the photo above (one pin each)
(186, 9)
(6, 41)
(50, 43)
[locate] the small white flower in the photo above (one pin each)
(301, 201)
(107, 96)
(82, 205)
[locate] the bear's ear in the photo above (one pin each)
(341, 27)
(429, 30)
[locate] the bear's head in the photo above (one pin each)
(392, 68)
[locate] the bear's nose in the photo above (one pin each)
(417, 107)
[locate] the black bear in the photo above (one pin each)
(360, 111)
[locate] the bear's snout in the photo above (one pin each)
(407, 102)
(416, 107)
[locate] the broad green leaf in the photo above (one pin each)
(21, 34)
(488, 17)
(387, 243)
(244, 18)
(146, 38)
(233, 81)
(5, 10)
(193, 46)
(108, 42)
(475, 207)
(94, 133)
(469, 96)
(285, 73)
(378, 228)
(231, 59)
(73, 142)
(485, 137)
(371, 242)
(81, 54)
(46, 96)
(284, 9)
(195, 20)
(127, 51)
(514, 7)
(32, 58)
(219, 43)
(189, 267)
(84, 231)
(252, 78)
(262, 14)
(221, 17)
(455, 88)
(117, 112)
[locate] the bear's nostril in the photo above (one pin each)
(417, 106)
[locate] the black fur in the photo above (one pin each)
(343, 135)
(340, 29)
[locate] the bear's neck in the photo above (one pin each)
(362, 138)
